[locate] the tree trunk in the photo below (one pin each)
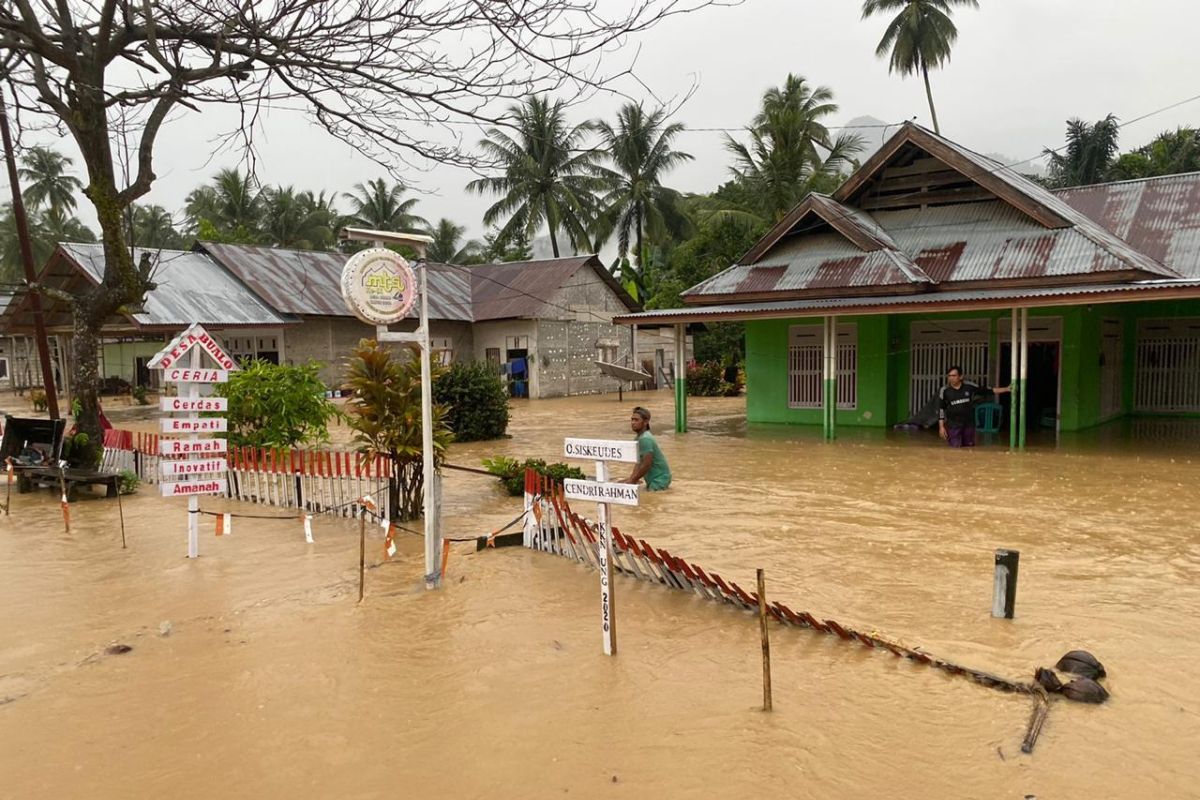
(407, 490)
(929, 95)
(553, 232)
(123, 283)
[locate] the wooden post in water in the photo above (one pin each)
(362, 551)
(121, 511)
(766, 640)
(1004, 588)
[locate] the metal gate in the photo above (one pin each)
(1168, 366)
(936, 346)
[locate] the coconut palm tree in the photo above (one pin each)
(636, 204)
(381, 207)
(1088, 155)
(153, 227)
(49, 185)
(918, 38)
(448, 246)
(299, 220)
(548, 176)
(231, 203)
(790, 152)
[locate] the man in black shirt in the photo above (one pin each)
(956, 408)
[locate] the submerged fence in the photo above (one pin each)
(317, 481)
(551, 526)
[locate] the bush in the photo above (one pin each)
(274, 405)
(129, 481)
(708, 380)
(139, 394)
(476, 399)
(38, 398)
(512, 472)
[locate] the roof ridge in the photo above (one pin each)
(1147, 179)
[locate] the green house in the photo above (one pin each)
(931, 255)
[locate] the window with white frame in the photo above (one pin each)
(442, 349)
(806, 366)
(1168, 365)
(938, 345)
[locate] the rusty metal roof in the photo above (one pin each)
(818, 262)
(1025, 234)
(190, 288)
(308, 282)
(1158, 216)
(521, 289)
(954, 300)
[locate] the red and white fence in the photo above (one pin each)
(318, 481)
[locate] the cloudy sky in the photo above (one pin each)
(1021, 67)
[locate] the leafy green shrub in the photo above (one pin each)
(708, 380)
(38, 398)
(476, 400)
(512, 472)
(139, 394)
(129, 481)
(385, 414)
(273, 405)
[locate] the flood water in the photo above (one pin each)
(273, 682)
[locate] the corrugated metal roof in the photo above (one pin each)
(817, 262)
(519, 289)
(993, 241)
(1158, 216)
(924, 302)
(191, 288)
(309, 282)
(1027, 233)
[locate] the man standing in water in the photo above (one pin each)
(956, 408)
(651, 465)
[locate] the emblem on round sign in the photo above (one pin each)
(379, 286)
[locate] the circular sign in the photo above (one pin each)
(379, 286)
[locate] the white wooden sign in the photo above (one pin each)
(202, 425)
(194, 488)
(183, 405)
(175, 468)
(207, 475)
(621, 494)
(183, 344)
(601, 450)
(603, 493)
(200, 447)
(184, 375)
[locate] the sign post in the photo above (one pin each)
(380, 288)
(603, 493)
(185, 477)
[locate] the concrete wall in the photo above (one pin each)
(331, 340)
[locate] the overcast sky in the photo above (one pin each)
(1019, 70)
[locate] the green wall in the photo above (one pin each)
(767, 373)
(884, 344)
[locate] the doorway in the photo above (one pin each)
(1042, 386)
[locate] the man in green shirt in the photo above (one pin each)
(652, 464)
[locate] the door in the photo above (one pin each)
(1041, 388)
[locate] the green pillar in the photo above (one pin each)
(680, 379)
(1014, 383)
(1024, 376)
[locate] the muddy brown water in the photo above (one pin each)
(273, 683)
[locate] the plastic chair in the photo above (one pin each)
(988, 417)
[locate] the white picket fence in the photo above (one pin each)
(317, 481)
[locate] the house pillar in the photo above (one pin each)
(1014, 381)
(1024, 376)
(829, 384)
(681, 379)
